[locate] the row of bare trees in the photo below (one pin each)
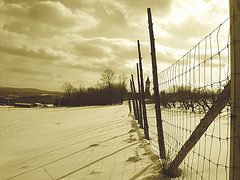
(189, 98)
(110, 90)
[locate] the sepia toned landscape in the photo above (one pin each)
(110, 89)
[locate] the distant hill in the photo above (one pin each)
(9, 91)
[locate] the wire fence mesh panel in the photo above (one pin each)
(188, 90)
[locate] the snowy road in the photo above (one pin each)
(69, 143)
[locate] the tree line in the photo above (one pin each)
(189, 98)
(111, 90)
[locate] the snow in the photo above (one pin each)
(209, 158)
(105, 142)
(72, 143)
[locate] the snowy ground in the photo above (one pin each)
(99, 143)
(209, 159)
(71, 143)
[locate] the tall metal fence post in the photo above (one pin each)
(135, 100)
(156, 91)
(139, 98)
(235, 87)
(146, 132)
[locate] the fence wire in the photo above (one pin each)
(188, 88)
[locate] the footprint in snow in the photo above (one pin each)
(95, 171)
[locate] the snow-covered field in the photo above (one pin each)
(99, 143)
(70, 143)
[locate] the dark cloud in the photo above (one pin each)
(57, 15)
(159, 6)
(92, 48)
(42, 53)
(45, 18)
(22, 70)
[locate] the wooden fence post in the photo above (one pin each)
(129, 105)
(146, 132)
(139, 98)
(235, 87)
(156, 91)
(135, 99)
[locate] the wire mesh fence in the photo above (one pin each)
(188, 89)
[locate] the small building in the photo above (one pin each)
(48, 106)
(39, 105)
(24, 105)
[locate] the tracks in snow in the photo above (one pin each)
(79, 151)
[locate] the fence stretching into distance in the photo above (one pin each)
(193, 121)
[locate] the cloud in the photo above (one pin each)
(21, 70)
(92, 48)
(102, 50)
(57, 15)
(112, 22)
(79, 39)
(42, 53)
(136, 8)
(45, 18)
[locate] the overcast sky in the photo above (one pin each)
(46, 43)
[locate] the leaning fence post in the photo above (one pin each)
(139, 98)
(235, 86)
(201, 128)
(146, 133)
(156, 91)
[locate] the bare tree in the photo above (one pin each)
(108, 77)
(122, 82)
(69, 89)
